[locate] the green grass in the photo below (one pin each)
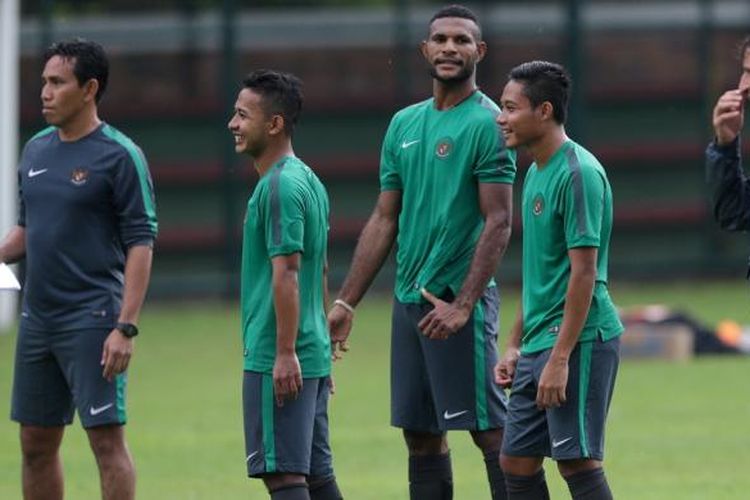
(676, 430)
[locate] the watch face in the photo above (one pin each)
(127, 329)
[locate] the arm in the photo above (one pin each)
(118, 349)
(373, 247)
(730, 188)
(287, 373)
(554, 378)
(13, 247)
(496, 205)
(505, 368)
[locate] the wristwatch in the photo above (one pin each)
(127, 329)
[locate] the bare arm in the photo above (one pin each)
(137, 276)
(13, 247)
(373, 247)
(496, 205)
(287, 373)
(118, 349)
(554, 378)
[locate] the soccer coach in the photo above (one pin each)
(86, 227)
(730, 187)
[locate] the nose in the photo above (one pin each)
(231, 125)
(501, 118)
(46, 94)
(449, 46)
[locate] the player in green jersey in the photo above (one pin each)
(563, 351)
(286, 342)
(446, 188)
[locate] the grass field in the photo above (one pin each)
(676, 430)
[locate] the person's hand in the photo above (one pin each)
(116, 354)
(340, 325)
(552, 384)
(505, 368)
(444, 320)
(331, 384)
(729, 116)
(287, 377)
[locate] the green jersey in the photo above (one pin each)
(566, 204)
(287, 213)
(437, 160)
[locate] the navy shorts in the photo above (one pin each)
(286, 439)
(440, 385)
(575, 429)
(57, 372)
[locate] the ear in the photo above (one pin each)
(481, 50)
(547, 111)
(90, 88)
(276, 125)
(423, 50)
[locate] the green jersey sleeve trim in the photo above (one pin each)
(583, 206)
(140, 166)
(285, 228)
(43, 132)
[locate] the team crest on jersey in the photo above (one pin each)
(444, 148)
(79, 176)
(537, 206)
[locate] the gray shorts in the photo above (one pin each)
(439, 385)
(292, 438)
(57, 372)
(575, 429)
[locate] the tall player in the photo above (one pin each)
(446, 189)
(563, 350)
(287, 346)
(86, 227)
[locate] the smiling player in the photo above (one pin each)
(563, 351)
(446, 190)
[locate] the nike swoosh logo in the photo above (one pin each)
(251, 456)
(96, 411)
(449, 416)
(405, 144)
(34, 173)
(555, 444)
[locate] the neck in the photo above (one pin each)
(80, 125)
(547, 145)
(271, 155)
(451, 94)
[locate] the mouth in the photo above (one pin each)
(448, 63)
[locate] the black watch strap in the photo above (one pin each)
(127, 329)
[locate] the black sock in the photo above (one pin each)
(324, 488)
(589, 485)
(495, 475)
(430, 477)
(296, 491)
(527, 487)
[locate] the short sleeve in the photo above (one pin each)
(134, 198)
(283, 216)
(390, 178)
(582, 206)
(495, 162)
